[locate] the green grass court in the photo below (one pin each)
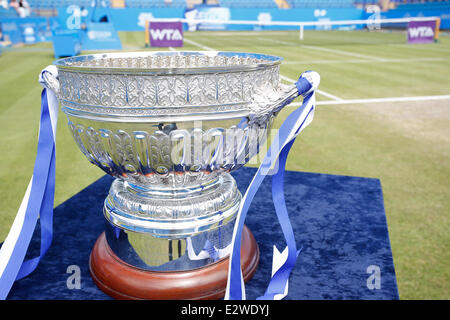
(406, 144)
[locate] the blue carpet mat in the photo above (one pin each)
(338, 220)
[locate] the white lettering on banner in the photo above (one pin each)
(144, 16)
(166, 34)
(214, 13)
(372, 21)
(74, 19)
(320, 13)
(264, 17)
(99, 35)
(421, 32)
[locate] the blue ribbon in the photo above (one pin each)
(40, 204)
(286, 140)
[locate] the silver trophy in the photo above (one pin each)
(170, 127)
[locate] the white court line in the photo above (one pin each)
(337, 100)
(326, 94)
(248, 33)
(429, 47)
(172, 49)
(277, 41)
(378, 100)
(425, 59)
(341, 52)
(128, 48)
(194, 43)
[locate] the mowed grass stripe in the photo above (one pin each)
(18, 69)
(372, 47)
(254, 44)
(366, 81)
(353, 61)
(231, 44)
(379, 80)
(414, 189)
(333, 38)
(19, 121)
(18, 85)
(369, 46)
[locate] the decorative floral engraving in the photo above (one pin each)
(172, 91)
(167, 155)
(103, 93)
(135, 115)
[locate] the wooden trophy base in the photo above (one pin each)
(123, 281)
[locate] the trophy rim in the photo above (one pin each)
(265, 62)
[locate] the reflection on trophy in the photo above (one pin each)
(170, 127)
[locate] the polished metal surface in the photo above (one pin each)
(171, 213)
(170, 126)
(147, 252)
(168, 154)
(195, 85)
(169, 62)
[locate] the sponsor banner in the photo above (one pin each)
(66, 43)
(100, 36)
(295, 14)
(133, 19)
(421, 11)
(208, 13)
(421, 31)
(166, 34)
(11, 31)
(123, 19)
(26, 30)
(29, 32)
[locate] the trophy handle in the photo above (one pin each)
(268, 102)
(49, 79)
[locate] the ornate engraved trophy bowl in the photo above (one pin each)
(170, 127)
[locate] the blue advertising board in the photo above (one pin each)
(295, 14)
(215, 13)
(11, 30)
(66, 43)
(133, 19)
(444, 14)
(124, 19)
(29, 32)
(26, 30)
(95, 25)
(100, 36)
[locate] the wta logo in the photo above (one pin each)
(166, 34)
(421, 32)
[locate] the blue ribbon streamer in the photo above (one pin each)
(40, 204)
(279, 279)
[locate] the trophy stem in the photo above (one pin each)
(120, 280)
(170, 244)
